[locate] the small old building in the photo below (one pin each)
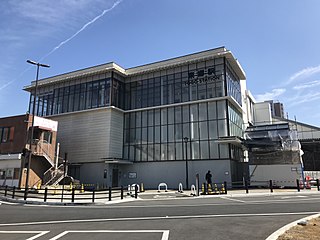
(15, 148)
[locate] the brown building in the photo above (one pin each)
(15, 146)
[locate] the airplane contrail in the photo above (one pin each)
(81, 29)
(65, 41)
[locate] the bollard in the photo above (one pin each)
(14, 191)
(298, 185)
(136, 191)
(198, 184)
(142, 187)
(246, 186)
(72, 196)
(318, 187)
(109, 193)
(45, 194)
(82, 188)
(180, 188)
(121, 192)
(5, 190)
(225, 187)
(93, 193)
(271, 186)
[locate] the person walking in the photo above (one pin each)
(209, 178)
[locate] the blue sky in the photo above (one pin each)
(276, 42)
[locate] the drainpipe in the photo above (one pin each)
(57, 157)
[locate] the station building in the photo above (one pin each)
(152, 123)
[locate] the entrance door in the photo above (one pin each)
(115, 177)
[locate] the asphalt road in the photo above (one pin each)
(249, 217)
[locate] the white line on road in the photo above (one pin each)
(40, 233)
(231, 199)
(157, 218)
(165, 233)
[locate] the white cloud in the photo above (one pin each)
(304, 73)
(307, 85)
(270, 95)
(304, 98)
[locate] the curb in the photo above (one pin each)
(276, 234)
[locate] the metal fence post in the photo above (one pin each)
(110, 193)
(13, 191)
(45, 194)
(25, 194)
(72, 196)
(246, 186)
(5, 190)
(298, 185)
(135, 191)
(271, 186)
(121, 192)
(225, 187)
(93, 193)
(318, 187)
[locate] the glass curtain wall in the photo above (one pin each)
(157, 134)
(81, 96)
(182, 84)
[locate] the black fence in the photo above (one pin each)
(246, 186)
(73, 195)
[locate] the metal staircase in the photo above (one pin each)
(53, 176)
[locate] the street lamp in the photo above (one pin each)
(186, 139)
(32, 124)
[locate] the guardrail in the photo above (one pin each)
(72, 195)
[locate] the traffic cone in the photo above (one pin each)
(216, 188)
(222, 189)
(203, 191)
(209, 189)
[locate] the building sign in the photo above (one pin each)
(46, 123)
(202, 76)
(132, 175)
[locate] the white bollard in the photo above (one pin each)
(180, 188)
(163, 185)
(193, 190)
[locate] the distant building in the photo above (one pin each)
(14, 146)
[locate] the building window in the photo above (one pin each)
(4, 134)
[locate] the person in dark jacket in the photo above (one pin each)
(209, 177)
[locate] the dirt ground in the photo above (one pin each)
(309, 232)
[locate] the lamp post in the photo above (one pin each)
(186, 139)
(32, 124)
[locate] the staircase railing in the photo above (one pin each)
(53, 176)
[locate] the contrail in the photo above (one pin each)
(64, 42)
(83, 28)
